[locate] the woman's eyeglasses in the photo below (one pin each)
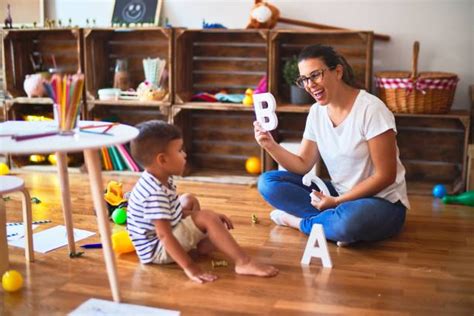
(315, 77)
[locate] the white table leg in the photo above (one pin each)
(3, 238)
(61, 159)
(95, 176)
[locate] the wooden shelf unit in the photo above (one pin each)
(104, 46)
(217, 141)
(64, 44)
(214, 60)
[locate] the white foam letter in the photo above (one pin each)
(265, 116)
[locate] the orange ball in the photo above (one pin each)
(253, 165)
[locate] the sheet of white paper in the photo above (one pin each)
(18, 127)
(17, 231)
(51, 238)
(95, 307)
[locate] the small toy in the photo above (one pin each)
(254, 219)
(206, 25)
(263, 16)
(121, 242)
(73, 255)
(12, 281)
(253, 165)
(466, 198)
(219, 263)
(262, 86)
(439, 191)
(114, 196)
(119, 215)
(35, 200)
(33, 84)
(4, 170)
(248, 99)
(8, 20)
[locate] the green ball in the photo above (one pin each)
(119, 216)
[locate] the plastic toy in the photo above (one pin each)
(119, 215)
(4, 170)
(254, 219)
(439, 191)
(263, 16)
(12, 281)
(253, 165)
(114, 196)
(219, 263)
(248, 99)
(206, 25)
(121, 242)
(8, 20)
(466, 198)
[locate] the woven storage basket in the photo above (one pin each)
(410, 92)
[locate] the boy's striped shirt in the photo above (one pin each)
(150, 200)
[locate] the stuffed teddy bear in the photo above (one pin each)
(263, 16)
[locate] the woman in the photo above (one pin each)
(354, 134)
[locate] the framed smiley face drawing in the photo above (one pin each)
(136, 11)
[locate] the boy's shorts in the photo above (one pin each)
(187, 234)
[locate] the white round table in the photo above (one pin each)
(90, 145)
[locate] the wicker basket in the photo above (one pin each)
(410, 92)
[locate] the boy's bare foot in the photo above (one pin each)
(253, 267)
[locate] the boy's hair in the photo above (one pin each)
(153, 138)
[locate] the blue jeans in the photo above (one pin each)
(366, 219)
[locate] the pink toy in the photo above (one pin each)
(262, 86)
(33, 85)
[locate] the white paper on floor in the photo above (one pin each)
(93, 307)
(17, 231)
(51, 238)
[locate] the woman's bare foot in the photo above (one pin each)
(252, 267)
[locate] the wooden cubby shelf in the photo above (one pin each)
(219, 136)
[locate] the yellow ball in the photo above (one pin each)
(12, 281)
(253, 165)
(52, 159)
(4, 170)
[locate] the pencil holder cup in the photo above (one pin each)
(67, 122)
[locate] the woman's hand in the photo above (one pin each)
(322, 202)
(226, 221)
(263, 137)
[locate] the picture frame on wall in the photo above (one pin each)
(128, 12)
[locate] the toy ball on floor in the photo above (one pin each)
(4, 170)
(12, 281)
(119, 215)
(253, 165)
(439, 191)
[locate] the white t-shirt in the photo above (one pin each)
(345, 149)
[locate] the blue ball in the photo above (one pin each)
(439, 191)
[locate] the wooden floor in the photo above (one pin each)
(427, 270)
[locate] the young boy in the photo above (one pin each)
(164, 227)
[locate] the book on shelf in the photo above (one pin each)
(118, 157)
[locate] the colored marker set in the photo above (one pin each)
(66, 92)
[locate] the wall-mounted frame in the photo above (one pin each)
(127, 12)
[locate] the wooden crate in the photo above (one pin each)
(356, 47)
(433, 149)
(218, 60)
(104, 46)
(18, 45)
(217, 142)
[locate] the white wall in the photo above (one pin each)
(445, 28)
